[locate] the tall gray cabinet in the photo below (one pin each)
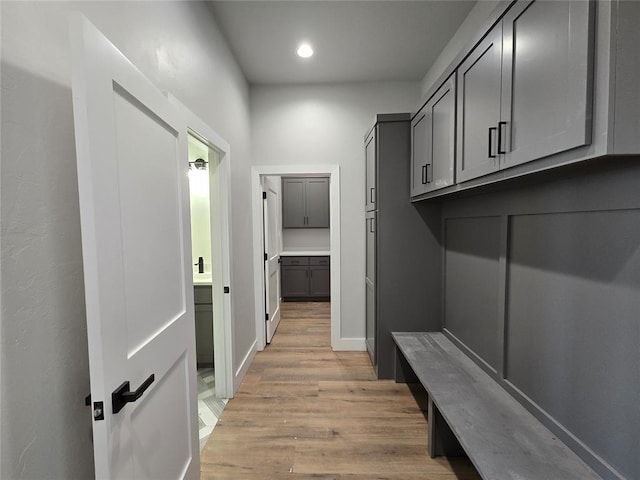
(402, 244)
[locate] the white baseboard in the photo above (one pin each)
(349, 345)
(244, 366)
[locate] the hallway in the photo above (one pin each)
(304, 411)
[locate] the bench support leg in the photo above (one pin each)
(403, 372)
(441, 440)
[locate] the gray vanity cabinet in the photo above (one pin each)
(305, 202)
(524, 92)
(433, 141)
(402, 248)
(202, 295)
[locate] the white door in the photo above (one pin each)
(134, 205)
(272, 229)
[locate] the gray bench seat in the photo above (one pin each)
(471, 412)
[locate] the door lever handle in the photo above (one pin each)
(123, 395)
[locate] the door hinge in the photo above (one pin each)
(226, 290)
(266, 315)
(264, 195)
(266, 257)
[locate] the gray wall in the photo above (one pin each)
(45, 429)
(542, 282)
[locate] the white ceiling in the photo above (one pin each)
(354, 41)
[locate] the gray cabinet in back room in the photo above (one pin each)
(402, 280)
(305, 278)
(305, 202)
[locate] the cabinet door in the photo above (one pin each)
(371, 321)
(204, 335)
(370, 324)
(442, 130)
(371, 246)
(319, 281)
(546, 81)
(317, 202)
(293, 203)
(479, 78)
(419, 148)
(295, 281)
(370, 170)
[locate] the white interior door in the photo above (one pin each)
(272, 234)
(134, 205)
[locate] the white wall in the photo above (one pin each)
(306, 239)
(45, 429)
(465, 33)
(298, 125)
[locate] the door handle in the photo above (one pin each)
(122, 395)
(500, 125)
(491, 129)
(371, 226)
(371, 194)
(424, 174)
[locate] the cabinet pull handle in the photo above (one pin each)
(371, 190)
(429, 170)
(491, 129)
(424, 174)
(500, 125)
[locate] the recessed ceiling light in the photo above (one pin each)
(305, 50)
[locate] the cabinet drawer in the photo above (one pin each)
(202, 294)
(319, 261)
(294, 261)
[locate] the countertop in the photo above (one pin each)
(305, 253)
(201, 279)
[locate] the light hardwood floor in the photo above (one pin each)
(304, 411)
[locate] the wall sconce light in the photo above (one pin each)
(198, 164)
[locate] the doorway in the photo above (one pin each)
(209, 183)
(210, 405)
(258, 174)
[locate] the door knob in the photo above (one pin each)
(123, 395)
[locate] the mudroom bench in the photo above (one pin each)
(470, 413)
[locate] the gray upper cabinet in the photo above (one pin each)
(305, 202)
(317, 202)
(370, 171)
(546, 80)
(419, 147)
(479, 78)
(293, 205)
(524, 91)
(433, 141)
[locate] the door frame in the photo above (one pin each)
(220, 208)
(331, 171)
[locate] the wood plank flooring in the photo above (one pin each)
(304, 411)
